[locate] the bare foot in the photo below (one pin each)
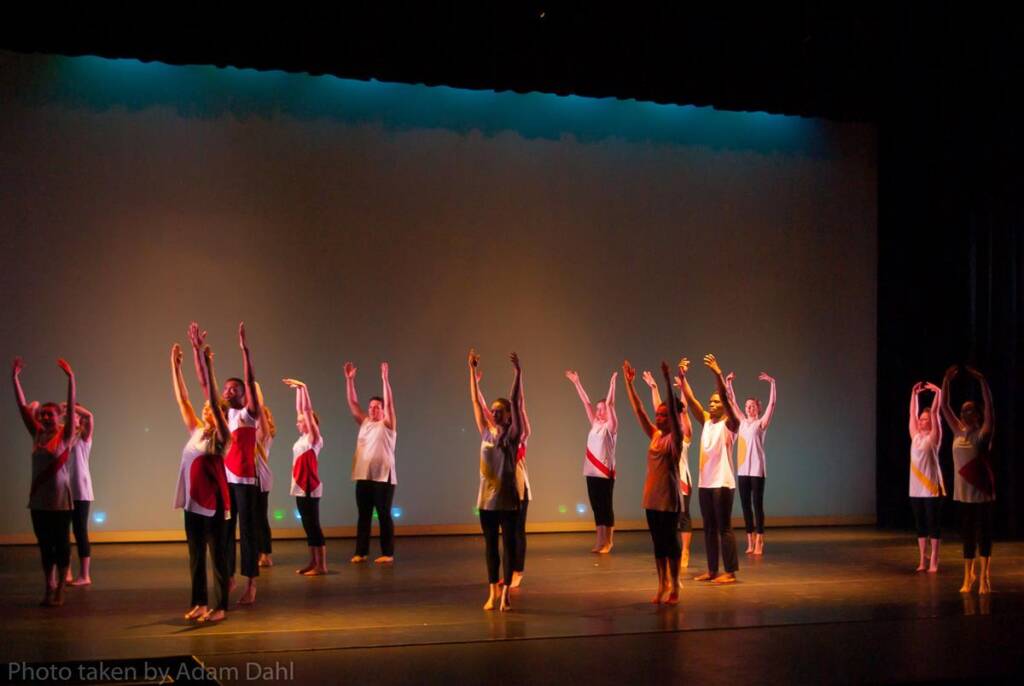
(921, 566)
(506, 599)
(385, 559)
(315, 571)
(727, 578)
(659, 597)
(266, 561)
(57, 598)
(759, 544)
(81, 581)
(213, 616)
(307, 568)
(984, 587)
(673, 598)
(358, 558)
(493, 595)
(197, 612)
(249, 597)
(67, 577)
(684, 561)
(750, 543)
(517, 578)
(933, 570)
(706, 576)
(596, 548)
(605, 549)
(968, 584)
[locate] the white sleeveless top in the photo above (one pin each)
(306, 468)
(202, 487)
(240, 459)
(716, 456)
(750, 448)
(51, 475)
(263, 472)
(599, 460)
(374, 459)
(685, 480)
(925, 475)
(81, 479)
(973, 481)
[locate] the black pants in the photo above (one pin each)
(245, 515)
(976, 528)
(266, 539)
(80, 526)
(927, 516)
(490, 522)
(664, 527)
(370, 496)
(309, 510)
(519, 564)
(716, 509)
(208, 533)
(53, 533)
(752, 502)
(685, 523)
(600, 491)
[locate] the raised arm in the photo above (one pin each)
(696, 409)
(766, 418)
(488, 417)
(574, 377)
(684, 416)
(390, 418)
(85, 421)
(732, 421)
(263, 423)
(936, 433)
(915, 410)
(304, 407)
(988, 425)
(252, 401)
(629, 374)
(69, 417)
(350, 394)
(731, 395)
(197, 337)
(673, 408)
(219, 420)
(522, 408)
(609, 402)
(653, 385)
(483, 421)
(516, 398)
(947, 410)
(188, 413)
(28, 417)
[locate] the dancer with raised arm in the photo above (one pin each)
(750, 459)
(266, 430)
(662, 499)
(82, 495)
(49, 499)
(717, 480)
(927, 488)
(202, 490)
(373, 465)
(599, 460)
(306, 485)
(502, 489)
(974, 479)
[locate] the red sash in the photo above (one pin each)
(978, 472)
(600, 466)
(521, 453)
(305, 472)
(206, 482)
(241, 455)
(50, 471)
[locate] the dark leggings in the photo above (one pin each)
(370, 496)
(752, 502)
(53, 533)
(208, 533)
(685, 523)
(976, 528)
(245, 514)
(80, 526)
(309, 511)
(266, 539)
(519, 564)
(600, 491)
(490, 522)
(664, 527)
(716, 509)
(927, 517)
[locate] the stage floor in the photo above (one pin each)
(841, 605)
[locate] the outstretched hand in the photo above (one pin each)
(384, 371)
(764, 377)
(711, 363)
(350, 370)
(572, 376)
(176, 354)
(514, 358)
(17, 365)
(293, 383)
(65, 367)
(628, 373)
(474, 359)
(648, 379)
(196, 335)
(241, 335)
(684, 366)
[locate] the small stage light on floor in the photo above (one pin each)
(99, 517)
(562, 509)
(298, 515)
(279, 515)
(580, 508)
(396, 512)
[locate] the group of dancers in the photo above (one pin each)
(973, 480)
(224, 477)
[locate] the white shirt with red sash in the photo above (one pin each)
(202, 487)
(51, 474)
(600, 457)
(240, 460)
(306, 468)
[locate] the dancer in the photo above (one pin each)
(202, 490)
(306, 485)
(717, 481)
(750, 455)
(81, 493)
(373, 465)
(662, 498)
(926, 485)
(243, 415)
(49, 496)
(522, 474)
(599, 461)
(974, 480)
(266, 430)
(685, 480)
(502, 489)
